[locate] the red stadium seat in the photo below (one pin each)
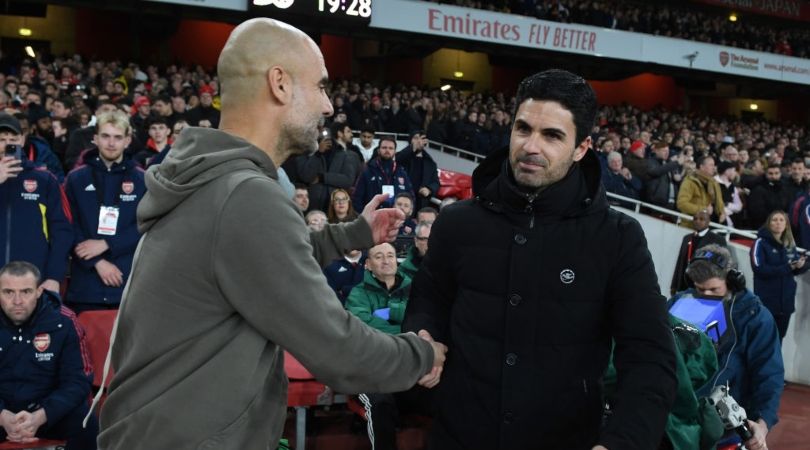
(303, 392)
(454, 184)
(98, 325)
(40, 444)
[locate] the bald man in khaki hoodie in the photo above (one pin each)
(225, 277)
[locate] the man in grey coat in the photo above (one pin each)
(198, 357)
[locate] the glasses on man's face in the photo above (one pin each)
(421, 239)
(341, 200)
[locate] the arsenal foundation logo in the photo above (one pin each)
(723, 58)
(127, 187)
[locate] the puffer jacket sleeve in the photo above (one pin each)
(434, 288)
(73, 385)
(766, 368)
(644, 355)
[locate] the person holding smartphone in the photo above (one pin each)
(36, 226)
(776, 261)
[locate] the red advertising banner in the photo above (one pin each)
(788, 9)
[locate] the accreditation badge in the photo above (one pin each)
(388, 189)
(108, 220)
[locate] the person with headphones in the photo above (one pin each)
(749, 352)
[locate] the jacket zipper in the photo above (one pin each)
(8, 227)
(529, 210)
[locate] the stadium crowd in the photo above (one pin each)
(680, 21)
(81, 134)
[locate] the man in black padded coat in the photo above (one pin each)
(530, 282)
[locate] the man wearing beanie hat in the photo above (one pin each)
(143, 109)
(635, 160)
(205, 110)
(38, 230)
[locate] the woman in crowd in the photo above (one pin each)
(340, 207)
(775, 262)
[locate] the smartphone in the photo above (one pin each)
(14, 150)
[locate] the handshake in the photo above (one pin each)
(432, 378)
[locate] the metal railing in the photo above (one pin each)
(679, 216)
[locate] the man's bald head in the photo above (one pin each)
(253, 48)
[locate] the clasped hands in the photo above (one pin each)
(432, 378)
(22, 426)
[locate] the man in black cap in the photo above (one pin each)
(38, 230)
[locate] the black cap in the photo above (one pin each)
(415, 132)
(10, 123)
(725, 165)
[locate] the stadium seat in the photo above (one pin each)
(303, 392)
(454, 184)
(98, 325)
(39, 444)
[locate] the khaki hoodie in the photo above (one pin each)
(223, 280)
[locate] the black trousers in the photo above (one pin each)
(69, 429)
(383, 412)
(782, 322)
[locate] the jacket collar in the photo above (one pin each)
(580, 192)
(93, 159)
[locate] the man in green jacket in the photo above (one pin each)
(380, 301)
(226, 274)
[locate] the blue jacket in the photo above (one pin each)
(41, 361)
(121, 185)
(38, 151)
(804, 226)
(774, 280)
(377, 175)
(35, 223)
(750, 358)
(617, 184)
(342, 276)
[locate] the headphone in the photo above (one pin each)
(735, 280)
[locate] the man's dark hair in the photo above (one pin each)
(21, 269)
(66, 101)
(301, 186)
(69, 122)
(367, 129)
(334, 127)
(569, 90)
(702, 270)
(407, 195)
(389, 138)
(165, 98)
(35, 92)
(429, 210)
(154, 119)
(700, 159)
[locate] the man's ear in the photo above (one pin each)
(582, 149)
(280, 84)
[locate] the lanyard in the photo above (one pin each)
(390, 178)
